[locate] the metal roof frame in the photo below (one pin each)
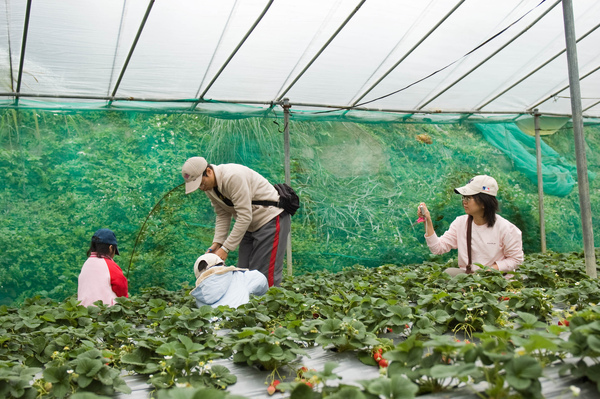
(132, 49)
(380, 79)
(427, 102)
(214, 79)
(338, 30)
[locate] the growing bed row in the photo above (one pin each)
(546, 316)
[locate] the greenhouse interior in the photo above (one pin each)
(367, 110)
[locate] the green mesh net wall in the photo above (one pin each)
(558, 175)
(64, 175)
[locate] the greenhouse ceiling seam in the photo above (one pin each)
(23, 48)
(240, 44)
(493, 54)
(132, 49)
(212, 58)
(10, 66)
(537, 69)
(112, 69)
(437, 25)
(563, 88)
(321, 50)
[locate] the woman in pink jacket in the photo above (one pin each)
(481, 236)
(101, 279)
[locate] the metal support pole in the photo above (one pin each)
(23, 47)
(538, 150)
(288, 178)
(582, 174)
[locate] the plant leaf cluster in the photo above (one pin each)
(437, 333)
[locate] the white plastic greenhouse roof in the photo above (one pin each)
(478, 57)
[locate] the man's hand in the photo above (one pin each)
(213, 247)
(221, 254)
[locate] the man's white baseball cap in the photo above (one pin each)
(481, 184)
(192, 171)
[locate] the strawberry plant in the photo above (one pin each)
(584, 343)
(345, 334)
(268, 349)
(87, 371)
(15, 380)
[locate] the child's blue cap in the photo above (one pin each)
(106, 236)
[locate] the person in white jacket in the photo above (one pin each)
(220, 285)
(261, 232)
(494, 241)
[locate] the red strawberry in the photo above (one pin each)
(563, 323)
(377, 356)
(275, 383)
(379, 350)
(383, 363)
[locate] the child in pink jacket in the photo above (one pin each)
(101, 279)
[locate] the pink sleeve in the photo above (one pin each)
(441, 245)
(513, 249)
(118, 281)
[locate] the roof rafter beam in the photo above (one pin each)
(132, 49)
(490, 56)
(321, 50)
(271, 105)
(591, 106)
(254, 25)
(536, 69)
(409, 52)
(561, 89)
(23, 48)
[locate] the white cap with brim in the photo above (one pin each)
(192, 171)
(481, 184)
(210, 259)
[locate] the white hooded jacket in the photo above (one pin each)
(219, 285)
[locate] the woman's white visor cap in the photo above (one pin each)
(481, 184)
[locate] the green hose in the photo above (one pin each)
(137, 239)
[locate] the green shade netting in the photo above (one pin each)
(65, 175)
(559, 176)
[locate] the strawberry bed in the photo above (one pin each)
(412, 329)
